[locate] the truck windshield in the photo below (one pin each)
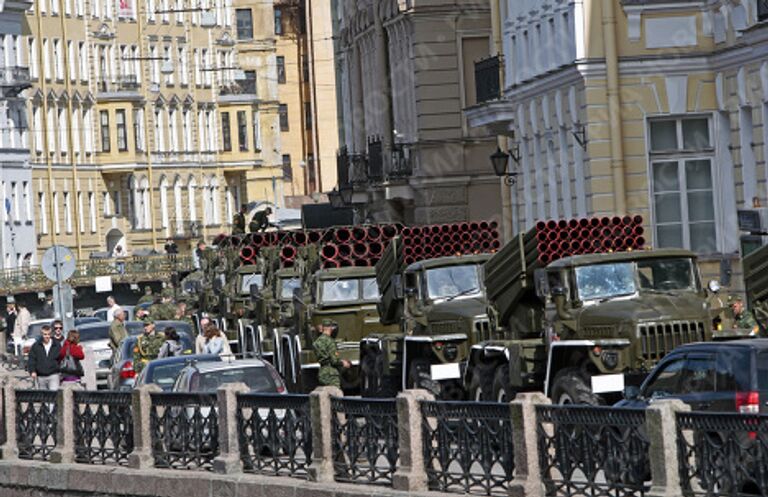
(341, 291)
(667, 274)
(251, 279)
(287, 286)
(453, 281)
(602, 281)
(370, 289)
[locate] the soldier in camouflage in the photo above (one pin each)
(328, 356)
(742, 318)
(238, 221)
(147, 297)
(163, 310)
(147, 346)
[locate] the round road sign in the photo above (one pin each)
(58, 263)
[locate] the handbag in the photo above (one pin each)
(71, 366)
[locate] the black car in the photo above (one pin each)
(122, 375)
(163, 372)
(709, 376)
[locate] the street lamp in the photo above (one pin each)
(500, 162)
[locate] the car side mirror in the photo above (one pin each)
(541, 283)
(631, 392)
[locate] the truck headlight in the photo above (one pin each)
(450, 352)
(610, 359)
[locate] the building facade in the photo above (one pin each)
(406, 73)
(639, 107)
(306, 85)
(17, 235)
(143, 123)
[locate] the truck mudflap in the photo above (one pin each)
(603, 383)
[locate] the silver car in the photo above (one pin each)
(95, 336)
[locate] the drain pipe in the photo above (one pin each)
(614, 107)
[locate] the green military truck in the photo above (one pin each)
(438, 307)
(755, 266)
(582, 327)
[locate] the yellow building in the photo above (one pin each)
(306, 85)
(144, 124)
(635, 106)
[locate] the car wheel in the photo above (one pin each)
(571, 387)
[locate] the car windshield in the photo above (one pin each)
(453, 281)
(94, 333)
(35, 329)
(250, 279)
(164, 376)
(256, 378)
(602, 281)
(370, 289)
(340, 291)
(667, 274)
(287, 286)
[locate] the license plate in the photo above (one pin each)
(445, 371)
(606, 383)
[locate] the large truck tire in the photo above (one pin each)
(571, 386)
(479, 388)
(374, 379)
(502, 390)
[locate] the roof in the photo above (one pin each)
(184, 358)
(610, 257)
(456, 260)
(207, 367)
(753, 343)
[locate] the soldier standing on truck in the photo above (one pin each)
(260, 221)
(238, 221)
(328, 356)
(743, 318)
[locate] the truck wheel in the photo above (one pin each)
(475, 389)
(374, 380)
(572, 387)
(418, 374)
(502, 391)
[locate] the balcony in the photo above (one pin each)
(402, 163)
(14, 79)
(375, 160)
(186, 229)
(129, 82)
(488, 79)
(126, 88)
(243, 90)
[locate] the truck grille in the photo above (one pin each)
(658, 339)
(445, 327)
(483, 329)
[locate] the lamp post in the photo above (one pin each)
(500, 162)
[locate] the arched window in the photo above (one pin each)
(191, 188)
(179, 213)
(144, 211)
(207, 202)
(133, 202)
(164, 205)
(215, 201)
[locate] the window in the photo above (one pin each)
(278, 21)
(138, 129)
(37, 119)
(67, 212)
(122, 136)
(106, 203)
(87, 131)
(82, 48)
(80, 212)
(92, 210)
(58, 58)
(242, 130)
(287, 170)
(308, 115)
(46, 59)
(305, 67)
(72, 64)
(256, 131)
(244, 24)
(104, 124)
(183, 66)
(63, 125)
(667, 380)
(225, 132)
(33, 67)
(682, 184)
(26, 200)
(283, 111)
(43, 213)
(281, 69)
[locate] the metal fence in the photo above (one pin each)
(468, 446)
(184, 430)
(722, 454)
(364, 440)
(103, 427)
(275, 434)
(592, 451)
(35, 423)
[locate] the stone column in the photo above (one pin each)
(411, 474)
(9, 451)
(64, 452)
(228, 460)
(661, 425)
(527, 477)
(321, 469)
(141, 404)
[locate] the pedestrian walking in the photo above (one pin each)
(21, 325)
(43, 365)
(117, 331)
(328, 356)
(58, 332)
(70, 357)
(10, 322)
(172, 345)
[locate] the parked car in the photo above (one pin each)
(102, 312)
(122, 375)
(259, 375)
(727, 376)
(86, 320)
(96, 337)
(163, 372)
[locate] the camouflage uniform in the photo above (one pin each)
(147, 297)
(745, 321)
(147, 348)
(117, 333)
(328, 357)
(259, 222)
(238, 224)
(162, 312)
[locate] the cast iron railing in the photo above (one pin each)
(275, 434)
(592, 451)
(722, 454)
(103, 427)
(488, 79)
(364, 440)
(35, 423)
(184, 429)
(468, 446)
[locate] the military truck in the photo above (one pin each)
(584, 326)
(439, 306)
(755, 266)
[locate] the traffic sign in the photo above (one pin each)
(58, 263)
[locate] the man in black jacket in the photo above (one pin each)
(44, 361)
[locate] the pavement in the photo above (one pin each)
(9, 368)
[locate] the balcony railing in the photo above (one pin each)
(128, 82)
(14, 76)
(186, 229)
(402, 163)
(241, 87)
(488, 79)
(358, 169)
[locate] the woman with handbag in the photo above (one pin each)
(70, 368)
